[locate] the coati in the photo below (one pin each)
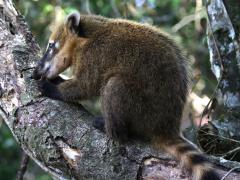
(139, 73)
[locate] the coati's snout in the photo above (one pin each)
(53, 62)
(44, 64)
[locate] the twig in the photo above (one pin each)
(210, 105)
(23, 166)
(115, 8)
(187, 19)
(125, 6)
(231, 170)
(222, 137)
(230, 152)
(210, 142)
(223, 162)
(199, 6)
(87, 6)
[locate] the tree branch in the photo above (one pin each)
(23, 167)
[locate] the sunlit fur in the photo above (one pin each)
(66, 45)
(141, 76)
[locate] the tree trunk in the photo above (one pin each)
(58, 136)
(223, 42)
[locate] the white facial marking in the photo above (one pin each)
(57, 45)
(52, 72)
(46, 66)
(51, 51)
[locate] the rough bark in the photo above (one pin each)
(58, 136)
(223, 43)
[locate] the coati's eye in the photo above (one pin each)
(50, 45)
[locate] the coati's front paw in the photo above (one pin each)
(45, 87)
(49, 89)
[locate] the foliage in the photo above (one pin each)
(9, 159)
(177, 17)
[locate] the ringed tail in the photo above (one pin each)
(190, 157)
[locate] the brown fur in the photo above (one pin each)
(141, 76)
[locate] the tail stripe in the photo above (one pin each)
(210, 175)
(197, 159)
(185, 148)
(191, 158)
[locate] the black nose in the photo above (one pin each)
(36, 75)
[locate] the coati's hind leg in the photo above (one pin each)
(115, 99)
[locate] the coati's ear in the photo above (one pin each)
(73, 21)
